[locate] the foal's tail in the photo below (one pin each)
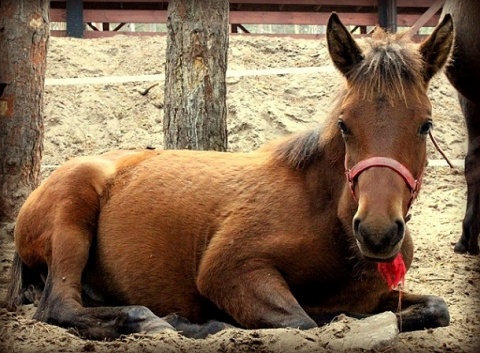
(25, 287)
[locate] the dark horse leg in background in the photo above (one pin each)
(464, 74)
(471, 223)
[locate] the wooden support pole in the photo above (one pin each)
(24, 33)
(195, 112)
(74, 18)
(387, 15)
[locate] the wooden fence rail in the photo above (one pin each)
(77, 14)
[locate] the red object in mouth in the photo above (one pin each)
(393, 272)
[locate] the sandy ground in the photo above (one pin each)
(88, 119)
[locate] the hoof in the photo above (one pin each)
(134, 319)
(460, 248)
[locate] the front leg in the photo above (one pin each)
(253, 293)
(417, 312)
(468, 242)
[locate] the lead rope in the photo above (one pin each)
(394, 274)
(401, 284)
(435, 143)
(399, 306)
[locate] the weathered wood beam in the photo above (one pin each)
(115, 16)
(436, 6)
(119, 26)
(318, 18)
(243, 17)
(92, 26)
(400, 3)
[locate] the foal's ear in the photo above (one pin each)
(436, 48)
(343, 49)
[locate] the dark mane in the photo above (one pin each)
(298, 150)
(391, 65)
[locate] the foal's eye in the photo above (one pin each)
(426, 127)
(342, 126)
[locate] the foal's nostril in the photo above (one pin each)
(356, 228)
(400, 231)
(400, 227)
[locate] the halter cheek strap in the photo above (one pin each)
(384, 162)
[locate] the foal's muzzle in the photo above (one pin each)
(379, 238)
(380, 243)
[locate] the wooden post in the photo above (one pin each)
(387, 15)
(75, 24)
(195, 70)
(23, 40)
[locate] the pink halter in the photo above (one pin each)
(384, 162)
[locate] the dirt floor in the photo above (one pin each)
(89, 119)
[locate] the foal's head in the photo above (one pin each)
(384, 118)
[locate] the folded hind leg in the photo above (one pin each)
(61, 302)
(471, 224)
(54, 233)
(96, 322)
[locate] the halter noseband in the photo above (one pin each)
(384, 162)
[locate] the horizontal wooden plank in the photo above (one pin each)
(242, 17)
(409, 20)
(262, 2)
(400, 3)
(371, 3)
(114, 16)
(320, 18)
(102, 34)
(300, 18)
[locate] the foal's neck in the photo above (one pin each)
(326, 176)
